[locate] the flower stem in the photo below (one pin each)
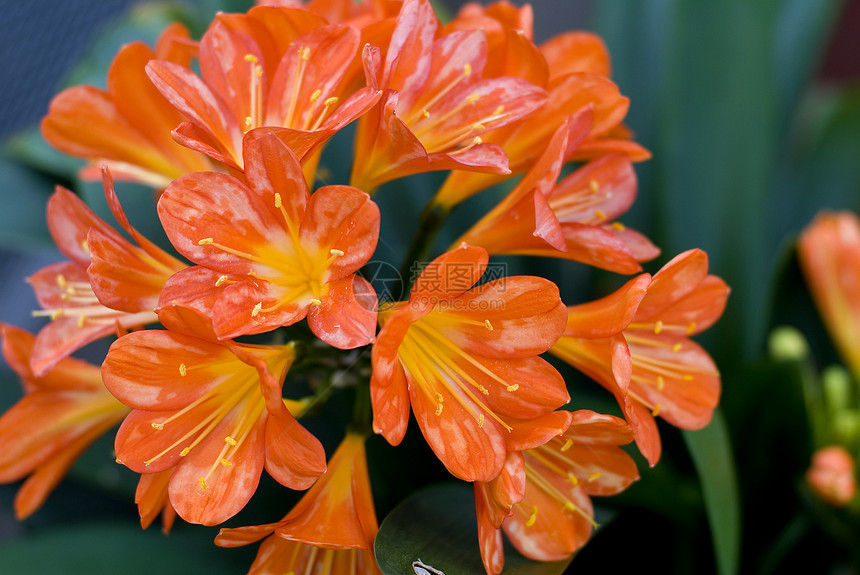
(429, 223)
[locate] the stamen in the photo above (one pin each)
(61, 280)
(599, 215)
(572, 478)
(205, 242)
(316, 95)
(656, 411)
(316, 301)
(594, 476)
(532, 517)
(467, 70)
(185, 452)
(473, 98)
(157, 426)
(230, 440)
(338, 253)
(513, 387)
(618, 226)
(658, 327)
(225, 463)
(480, 420)
(257, 308)
(567, 445)
(202, 481)
(676, 347)
(594, 186)
(488, 325)
(691, 328)
(81, 319)
(183, 371)
(278, 202)
(332, 101)
(220, 281)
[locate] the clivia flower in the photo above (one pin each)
(650, 364)
(62, 413)
(279, 68)
(108, 286)
(572, 219)
(279, 253)
(213, 410)
(465, 358)
(437, 105)
(330, 531)
(107, 127)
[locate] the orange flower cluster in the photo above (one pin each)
(230, 130)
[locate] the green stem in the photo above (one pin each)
(362, 411)
(429, 223)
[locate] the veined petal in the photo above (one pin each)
(271, 167)
(598, 192)
(407, 62)
(69, 374)
(531, 433)
(294, 457)
(209, 489)
(346, 316)
(573, 52)
(449, 276)
(69, 220)
(471, 449)
(674, 281)
(239, 309)
(151, 498)
(390, 399)
(610, 315)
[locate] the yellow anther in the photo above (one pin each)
(183, 371)
(316, 301)
(258, 70)
(202, 482)
(248, 122)
(316, 95)
(658, 327)
(71, 290)
(599, 215)
(572, 478)
(61, 280)
(338, 253)
(691, 328)
(478, 127)
(425, 113)
(594, 476)
(65, 297)
(56, 313)
(332, 101)
(439, 409)
(477, 141)
(594, 186)
(661, 383)
(568, 506)
(185, 452)
(278, 201)
(85, 246)
(513, 387)
(251, 58)
(305, 52)
(225, 463)
(220, 281)
(439, 397)
(567, 444)
(480, 420)
(498, 111)
(618, 226)
(488, 325)
(532, 517)
(257, 309)
(81, 320)
(483, 390)
(473, 98)
(157, 425)
(230, 440)
(656, 411)
(205, 242)
(467, 69)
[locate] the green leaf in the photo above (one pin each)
(711, 451)
(119, 548)
(437, 525)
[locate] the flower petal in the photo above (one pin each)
(346, 316)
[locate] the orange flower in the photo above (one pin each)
(279, 68)
(279, 253)
(358, 13)
(62, 412)
(152, 498)
(466, 359)
(128, 125)
(330, 531)
(571, 219)
(555, 517)
(829, 251)
(438, 105)
(108, 286)
(651, 366)
(210, 409)
(831, 475)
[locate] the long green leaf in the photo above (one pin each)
(711, 451)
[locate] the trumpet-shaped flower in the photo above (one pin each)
(210, 410)
(330, 531)
(280, 253)
(108, 285)
(437, 106)
(62, 412)
(829, 251)
(279, 68)
(108, 126)
(572, 219)
(555, 517)
(652, 367)
(466, 359)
